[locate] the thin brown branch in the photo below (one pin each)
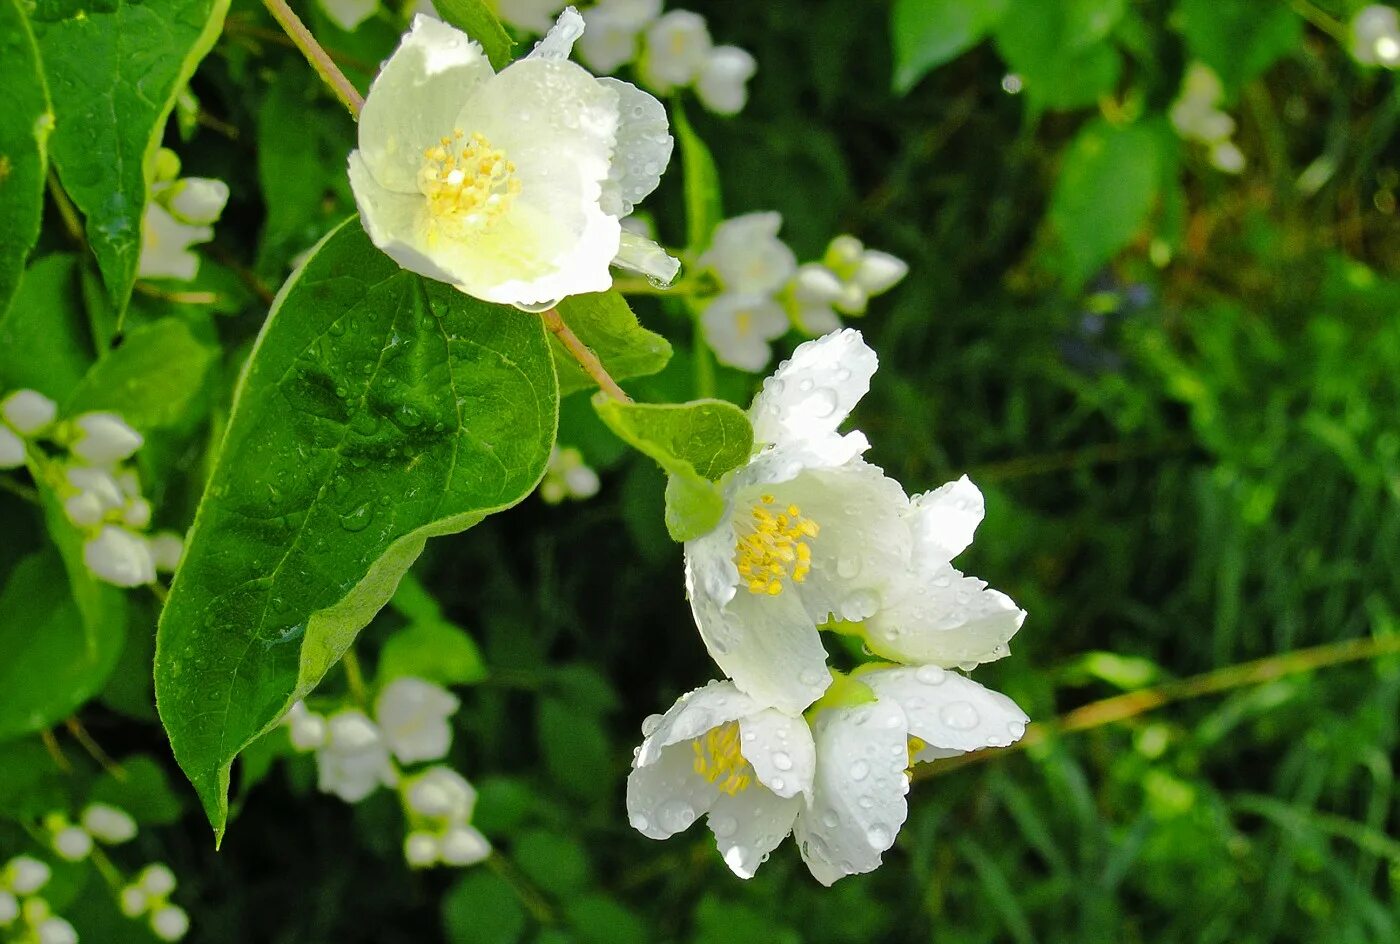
(585, 357)
(320, 60)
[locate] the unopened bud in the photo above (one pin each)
(109, 824)
(104, 439)
(170, 923)
(28, 411)
(120, 557)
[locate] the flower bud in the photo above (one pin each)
(306, 729)
(463, 845)
(137, 514)
(170, 923)
(879, 271)
(55, 930)
(197, 200)
(676, 47)
(167, 165)
(167, 548)
(441, 792)
(413, 715)
(351, 731)
(723, 81)
(420, 849)
(72, 843)
(120, 557)
(157, 880)
(101, 483)
(9, 909)
(104, 439)
(28, 411)
(11, 449)
(134, 901)
(35, 910)
(25, 875)
(84, 509)
(108, 824)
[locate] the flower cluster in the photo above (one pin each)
(1196, 115)
(148, 896)
(99, 823)
(814, 537)
(509, 186)
(762, 291)
(1375, 36)
(100, 494)
(356, 755)
(181, 213)
(672, 51)
(24, 914)
(567, 477)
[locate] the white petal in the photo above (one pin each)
(11, 449)
(198, 200)
(28, 411)
(415, 100)
(750, 825)
(104, 439)
(858, 806)
(786, 462)
(120, 557)
(738, 327)
(642, 150)
(814, 320)
(412, 716)
(165, 243)
(464, 845)
(949, 710)
(666, 795)
(945, 519)
(945, 618)
(349, 14)
(635, 13)
(813, 392)
(879, 271)
(558, 43)
(693, 714)
(723, 81)
(394, 221)
(747, 255)
(640, 254)
(676, 47)
(780, 748)
(609, 42)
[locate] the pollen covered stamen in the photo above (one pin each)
(718, 760)
(775, 548)
(468, 183)
(916, 747)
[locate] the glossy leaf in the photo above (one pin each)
(379, 409)
(606, 324)
(928, 33)
(25, 123)
(1060, 50)
(150, 379)
(44, 336)
(478, 20)
(114, 71)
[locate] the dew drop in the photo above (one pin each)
(640, 823)
(810, 677)
(822, 403)
(675, 815)
(879, 837)
(782, 761)
(931, 675)
(359, 518)
(960, 715)
(723, 826)
(830, 820)
(847, 566)
(778, 784)
(1016, 728)
(860, 770)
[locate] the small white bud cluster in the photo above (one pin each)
(180, 214)
(673, 51)
(99, 822)
(567, 477)
(762, 291)
(1196, 116)
(1375, 36)
(148, 896)
(24, 415)
(24, 915)
(439, 803)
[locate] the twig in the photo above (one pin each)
(529, 896)
(181, 298)
(355, 678)
(1322, 20)
(235, 26)
(1131, 704)
(320, 60)
(94, 750)
(56, 752)
(19, 488)
(585, 357)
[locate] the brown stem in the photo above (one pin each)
(585, 357)
(94, 750)
(1131, 704)
(320, 60)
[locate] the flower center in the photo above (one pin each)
(718, 760)
(775, 548)
(468, 183)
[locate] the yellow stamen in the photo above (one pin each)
(775, 548)
(718, 760)
(916, 747)
(468, 187)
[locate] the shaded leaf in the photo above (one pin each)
(432, 649)
(928, 33)
(44, 336)
(151, 379)
(479, 21)
(25, 123)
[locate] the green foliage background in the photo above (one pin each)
(1180, 391)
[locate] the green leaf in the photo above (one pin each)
(597, 919)
(478, 20)
(139, 786)
(928, 33)
(704, 207)
(25, 123)
(378, 409)
(114, 71)
(605, 322)
(435, 650)
(1238, 39)
(482, 909)
(31, 782)
(151, 379)
(1106, 187)
(695, 443)
(49, 670)
(1060, 50)
(44, 336)
(557, 863)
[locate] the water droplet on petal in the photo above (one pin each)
(782, 761)
(860, 770)
(822, 403)
(931, 674)
(1017, 728)
(879, 837)
(675, 815)
(640, 823)
(723, 826)
(959, 715)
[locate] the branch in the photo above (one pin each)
(320, 60)
(585, 357)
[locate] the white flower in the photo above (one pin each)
(349, 14)
(28, 411)
(813, 534)
(441, 793)
(90, 494)
(1227, 157)
(508, 186)
(613, 26)
(11, 449)
(307, 730)
(1196, 117)
(157, 880)
(197, 201)
(739, 328)
(167, 548)
(721, 752)
(165, 245)
(108, 824)
(170, 923)
(810, 296)
(1375, 36)
(421, 849)
(676, 47)
(104, 439)
(56, 930)
(133, 901)
(464, 845)
(747, 256)
(9, 908)
(567, 476)
(724, 79)
(412, 716)
(864, 273)
(530, 16)
(25, 875)
(71, 843)
(355, 761)
(120, 557)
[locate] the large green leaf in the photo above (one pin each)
(44, 336)
(1061, 50)
(48, 669)
(928, 33)
(606, 324)
(114, 70)
(695, 443)
(1239, 39)
(25, 123)
(704, 202)
(479, 21)
(379, 409)
(150, 379)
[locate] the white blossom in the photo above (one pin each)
(167, 548)
(676, 47)
(157, 880)
(1375, 36)
(180, 214)
(198, 201)
(120, 557)
(863, 273)
(108, 824)
(739, 328)
(464, 845)
(349, 14)
(747, 257)
(421, 849)
(355, 760)
(810, 297)
(440, 793)
(90, 494)
(507, 185)
(413, 719)
(306, 729)
(103, 439)
(56, 930)
(530, 16)
(71, 843)
(9, 908)
(723, 82)
(133, 901)
(28, 412)
(11, 449)
(170, 922)
(567, 476)
(610, 41)
(1196, 116)
(25, 875)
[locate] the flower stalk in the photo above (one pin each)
(318, 57)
